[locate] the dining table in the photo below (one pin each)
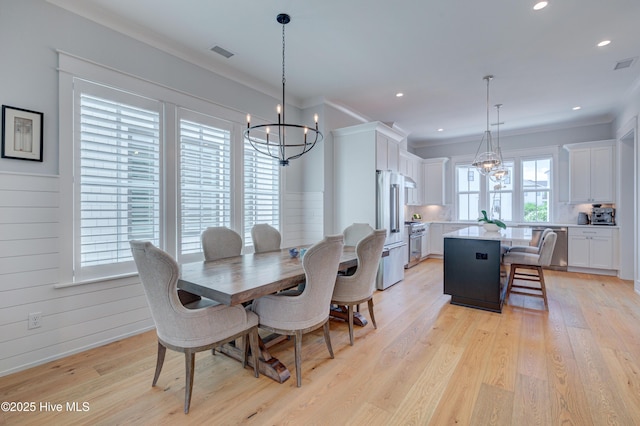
(241, 279)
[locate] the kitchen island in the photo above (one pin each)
(473, 273)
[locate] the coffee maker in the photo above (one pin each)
(602, 215)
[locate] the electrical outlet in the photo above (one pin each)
(35, 319)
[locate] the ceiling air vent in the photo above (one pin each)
(625, 63)
(220, 51)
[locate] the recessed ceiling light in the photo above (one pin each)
(604, 43)
(441, 129)
(399, 95)
(575, 108)
(540, 4)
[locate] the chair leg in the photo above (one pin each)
(298, 356)
(189, 362)
(327, 338)
(255, 348)
(350, 314)
(162, 350)
(245, 350)
(373, 318)
(543, 288)
(512, 272)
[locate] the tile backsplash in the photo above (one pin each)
(564, 213)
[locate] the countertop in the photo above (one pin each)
(532, 225)
(520, 235)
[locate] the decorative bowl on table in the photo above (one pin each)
(293, 252)
(491, 227)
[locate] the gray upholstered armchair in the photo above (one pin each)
(351, 290)
(219, 242)
(265, 238)
(188, 330)
(298, 314)
(355, 232)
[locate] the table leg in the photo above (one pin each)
(340, 312)
(267, 364)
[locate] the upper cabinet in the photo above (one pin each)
(387, 152)
(411, 166)
(433, 181)
(591, 172)
(358, 152)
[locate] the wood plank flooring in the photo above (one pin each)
(429, 362)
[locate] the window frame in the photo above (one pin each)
(515, 156)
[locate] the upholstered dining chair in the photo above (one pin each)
(265, 238)
(295, 315)
(351, 290)
(188, 330)
(532, 262)
(219, 242)
(531, 249)
(355, 232)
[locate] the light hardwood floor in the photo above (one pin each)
(429, 362)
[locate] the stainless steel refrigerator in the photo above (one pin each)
(390, 215)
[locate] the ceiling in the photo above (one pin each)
(360, 53)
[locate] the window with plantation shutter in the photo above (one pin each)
(118, 167)
(261, 191)
(205, 179)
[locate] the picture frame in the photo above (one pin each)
(22, 135)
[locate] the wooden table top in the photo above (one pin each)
(240, 279)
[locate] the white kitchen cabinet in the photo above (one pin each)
(592, 247)
(436, 242)
(425, 241)
(387, 152)
(436, 232)
(358, 151)
(410, 165)
(591, 172)
(433, 181)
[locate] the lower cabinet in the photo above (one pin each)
(592, 247)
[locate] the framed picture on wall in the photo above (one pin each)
(22, 136)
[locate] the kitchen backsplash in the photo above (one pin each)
(564, 214)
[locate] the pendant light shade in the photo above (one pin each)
(487, 161)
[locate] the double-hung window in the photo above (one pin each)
(467, 192)
(501, 196)
(524, 196)
(536, 189)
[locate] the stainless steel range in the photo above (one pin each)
(416, 230)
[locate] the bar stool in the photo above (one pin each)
(530, 262)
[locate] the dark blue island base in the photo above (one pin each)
(473, 274)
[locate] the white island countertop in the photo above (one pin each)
(515, 236)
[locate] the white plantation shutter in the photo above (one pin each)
(119, 175)
(261, 191)
(205, 180)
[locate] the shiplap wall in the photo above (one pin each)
(302, 221)
(73, 318)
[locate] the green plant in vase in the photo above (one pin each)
(485, 220)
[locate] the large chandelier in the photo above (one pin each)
(489, 160)
(271, 139)
(501, 172)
